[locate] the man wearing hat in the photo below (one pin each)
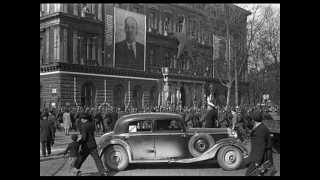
(88, 144)
(260, 143)
(212, 114)
(46, 134)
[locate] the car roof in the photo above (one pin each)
(121, 122)
(153, 115)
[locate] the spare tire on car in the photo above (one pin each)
(200, 143)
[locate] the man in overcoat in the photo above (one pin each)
(260, 142)
(88, 144)
(46, 134)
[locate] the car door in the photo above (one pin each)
(141, 140)
(170, 142)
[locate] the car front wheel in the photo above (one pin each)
(116, 158)
(229, 158)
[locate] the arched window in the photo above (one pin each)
(118, 96)
(88, 94)
(152, 19)
(137, 97)
(179, 24)
(153, 96)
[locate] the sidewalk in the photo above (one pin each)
(60, 144)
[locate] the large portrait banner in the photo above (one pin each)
(129, 40)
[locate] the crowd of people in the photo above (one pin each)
(105, 116)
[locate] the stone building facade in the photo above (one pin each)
(76, 66)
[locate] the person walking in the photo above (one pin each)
(46, 135)
(52, 121)
(88, 145)
(66, 122)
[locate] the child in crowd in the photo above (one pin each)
(73, 149)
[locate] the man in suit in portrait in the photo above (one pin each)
(129, 52)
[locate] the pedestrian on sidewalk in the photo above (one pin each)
(52, 121)
(46, 135)
(66, 122)
(73, 149)
(88, 144)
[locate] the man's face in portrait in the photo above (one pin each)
(131, 29)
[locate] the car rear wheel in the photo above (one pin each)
(200, 143)
(116, 158)
(229, 158)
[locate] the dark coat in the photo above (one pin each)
(125, 58)
(211, 118)
(260, 142)
(46, 131)
(73, 149)
(87, 135)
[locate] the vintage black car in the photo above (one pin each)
(164, 137)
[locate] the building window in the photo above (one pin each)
(94, 49)
(82, 48)
(100, 12)
(193, 29)
(75, 47)
(88, 47)
(179, 24)
(64, 45)
(57, 7)
(152, 21)
(168, 24)
(64, 7)
(99, 51)
(56, 43)
(75, 9)
(41, 50)
(47, 36)
(151, 56)
(44, 9)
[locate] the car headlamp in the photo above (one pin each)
(232, 133)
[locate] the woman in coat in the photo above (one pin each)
(66, 122)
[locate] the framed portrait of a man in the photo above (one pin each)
(130, 40)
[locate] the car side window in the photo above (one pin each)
(168, 125)
(140, 126)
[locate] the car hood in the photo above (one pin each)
(208, 130)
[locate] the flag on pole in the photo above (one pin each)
(215, 50)
(182, 38)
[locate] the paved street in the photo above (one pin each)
(58, 167)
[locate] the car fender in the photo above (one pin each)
(211, 153)
(116, 141)
(232, 142)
